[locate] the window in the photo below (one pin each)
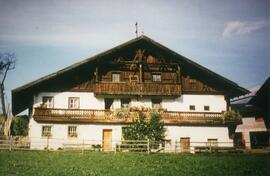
(156, 77)
(115, 77)
(108, 103)
(125, 103)
(192, 81)
(212, 142)
(192, 107)
(72, 131)
(46, 131)
(47, 102)
(73, 102)
(206, 108)
(156, 103)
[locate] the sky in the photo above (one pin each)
(229, 37)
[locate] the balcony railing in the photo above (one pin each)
(162, 89)
(106, 116)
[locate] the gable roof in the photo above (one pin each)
(22, 97)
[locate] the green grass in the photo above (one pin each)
(74, 163)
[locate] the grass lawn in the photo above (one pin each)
(74, 163)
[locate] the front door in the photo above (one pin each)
(107, 140)
(185, 144)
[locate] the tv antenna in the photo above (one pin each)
(136, 26)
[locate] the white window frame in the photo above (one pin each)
(116, 77)
(156, 77)
(46, 131)
(74, 103)
(47, 102)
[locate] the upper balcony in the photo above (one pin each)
(143, 89)
(107, 116)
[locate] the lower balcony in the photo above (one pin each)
(106, 116)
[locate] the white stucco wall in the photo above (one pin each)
(87, 133)
(216, 103)
(198, 134)
(92, 133)
(87, 100)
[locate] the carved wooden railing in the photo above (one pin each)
(164, 89)
(106, 116)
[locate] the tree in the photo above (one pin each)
(7, 62)
(19, 125)
(141, 129)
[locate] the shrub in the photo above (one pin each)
(141, 129)
(232, 116)
(19, 126)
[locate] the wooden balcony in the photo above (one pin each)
(150, 89)
(104, 116)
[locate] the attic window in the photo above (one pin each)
(156, 77)
(192, 81)
(133, 78)
(115, 77)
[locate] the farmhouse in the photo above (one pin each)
(81, 101)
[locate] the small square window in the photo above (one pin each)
(207, 108)
(72, 131)
(115, 77)
(192, 107)
(46, 131)
(73, 102)
(156, 77)
(125, 103)
(47, 102)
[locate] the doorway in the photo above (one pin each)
(185, 144)
(107, 140)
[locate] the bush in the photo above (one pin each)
(19, 126)
(141, 129)
(232, 116)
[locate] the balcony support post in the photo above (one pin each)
(96, 74)
(141, 87)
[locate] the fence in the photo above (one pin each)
(146, 146)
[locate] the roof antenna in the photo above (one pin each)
(136, 26)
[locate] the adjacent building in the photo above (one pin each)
(254, 131)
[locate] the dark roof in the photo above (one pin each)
(22, 97)
(261, 100)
